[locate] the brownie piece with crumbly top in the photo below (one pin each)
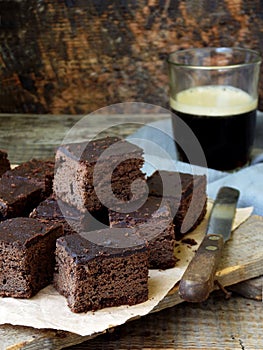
(186, 195)
(52, 211)
(17, 197)
(27, 256)
(153, 222)
(24, 187)
(104, 272)
(90, 175)
(37, 171)
(49, 212)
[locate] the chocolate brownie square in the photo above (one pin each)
(153, 222)
(24, 187)
(93, 276)
(37, 171)
(49, 212)
(27, 256)
(18, 197)
(91, 175)
(177, 189)
(52, 211)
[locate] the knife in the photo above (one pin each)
(198, 279)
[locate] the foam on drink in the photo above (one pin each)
(213, 100)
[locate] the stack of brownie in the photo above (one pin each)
(98, 273)
(53, 221)
(164, 217)
(28, 243)
(90, 178)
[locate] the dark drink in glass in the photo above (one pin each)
(213, 96)
(223, 119)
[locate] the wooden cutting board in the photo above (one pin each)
(242, 260)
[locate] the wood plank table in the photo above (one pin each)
(215, 324)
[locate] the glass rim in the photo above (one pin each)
(255, 57)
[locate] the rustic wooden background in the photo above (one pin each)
(75, 56)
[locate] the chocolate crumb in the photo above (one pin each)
(189, 241)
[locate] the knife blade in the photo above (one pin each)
(198, 279)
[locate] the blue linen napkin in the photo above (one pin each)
(160, 153)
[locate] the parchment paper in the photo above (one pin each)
(48, 309)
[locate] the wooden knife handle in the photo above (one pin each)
(198, 279)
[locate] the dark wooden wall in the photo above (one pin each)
(75, 56)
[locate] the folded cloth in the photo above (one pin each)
(160, 154)
(257, 159)
(249, 181)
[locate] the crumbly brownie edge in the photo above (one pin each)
(97, 284)
(31, 264)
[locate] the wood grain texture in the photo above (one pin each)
(38, 136)
(251, 289)
(236, 265)
(76, 56)
(216, 324)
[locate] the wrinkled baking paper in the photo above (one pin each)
(48, 309)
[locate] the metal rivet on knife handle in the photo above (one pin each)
(198, 279)
(211, 247)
